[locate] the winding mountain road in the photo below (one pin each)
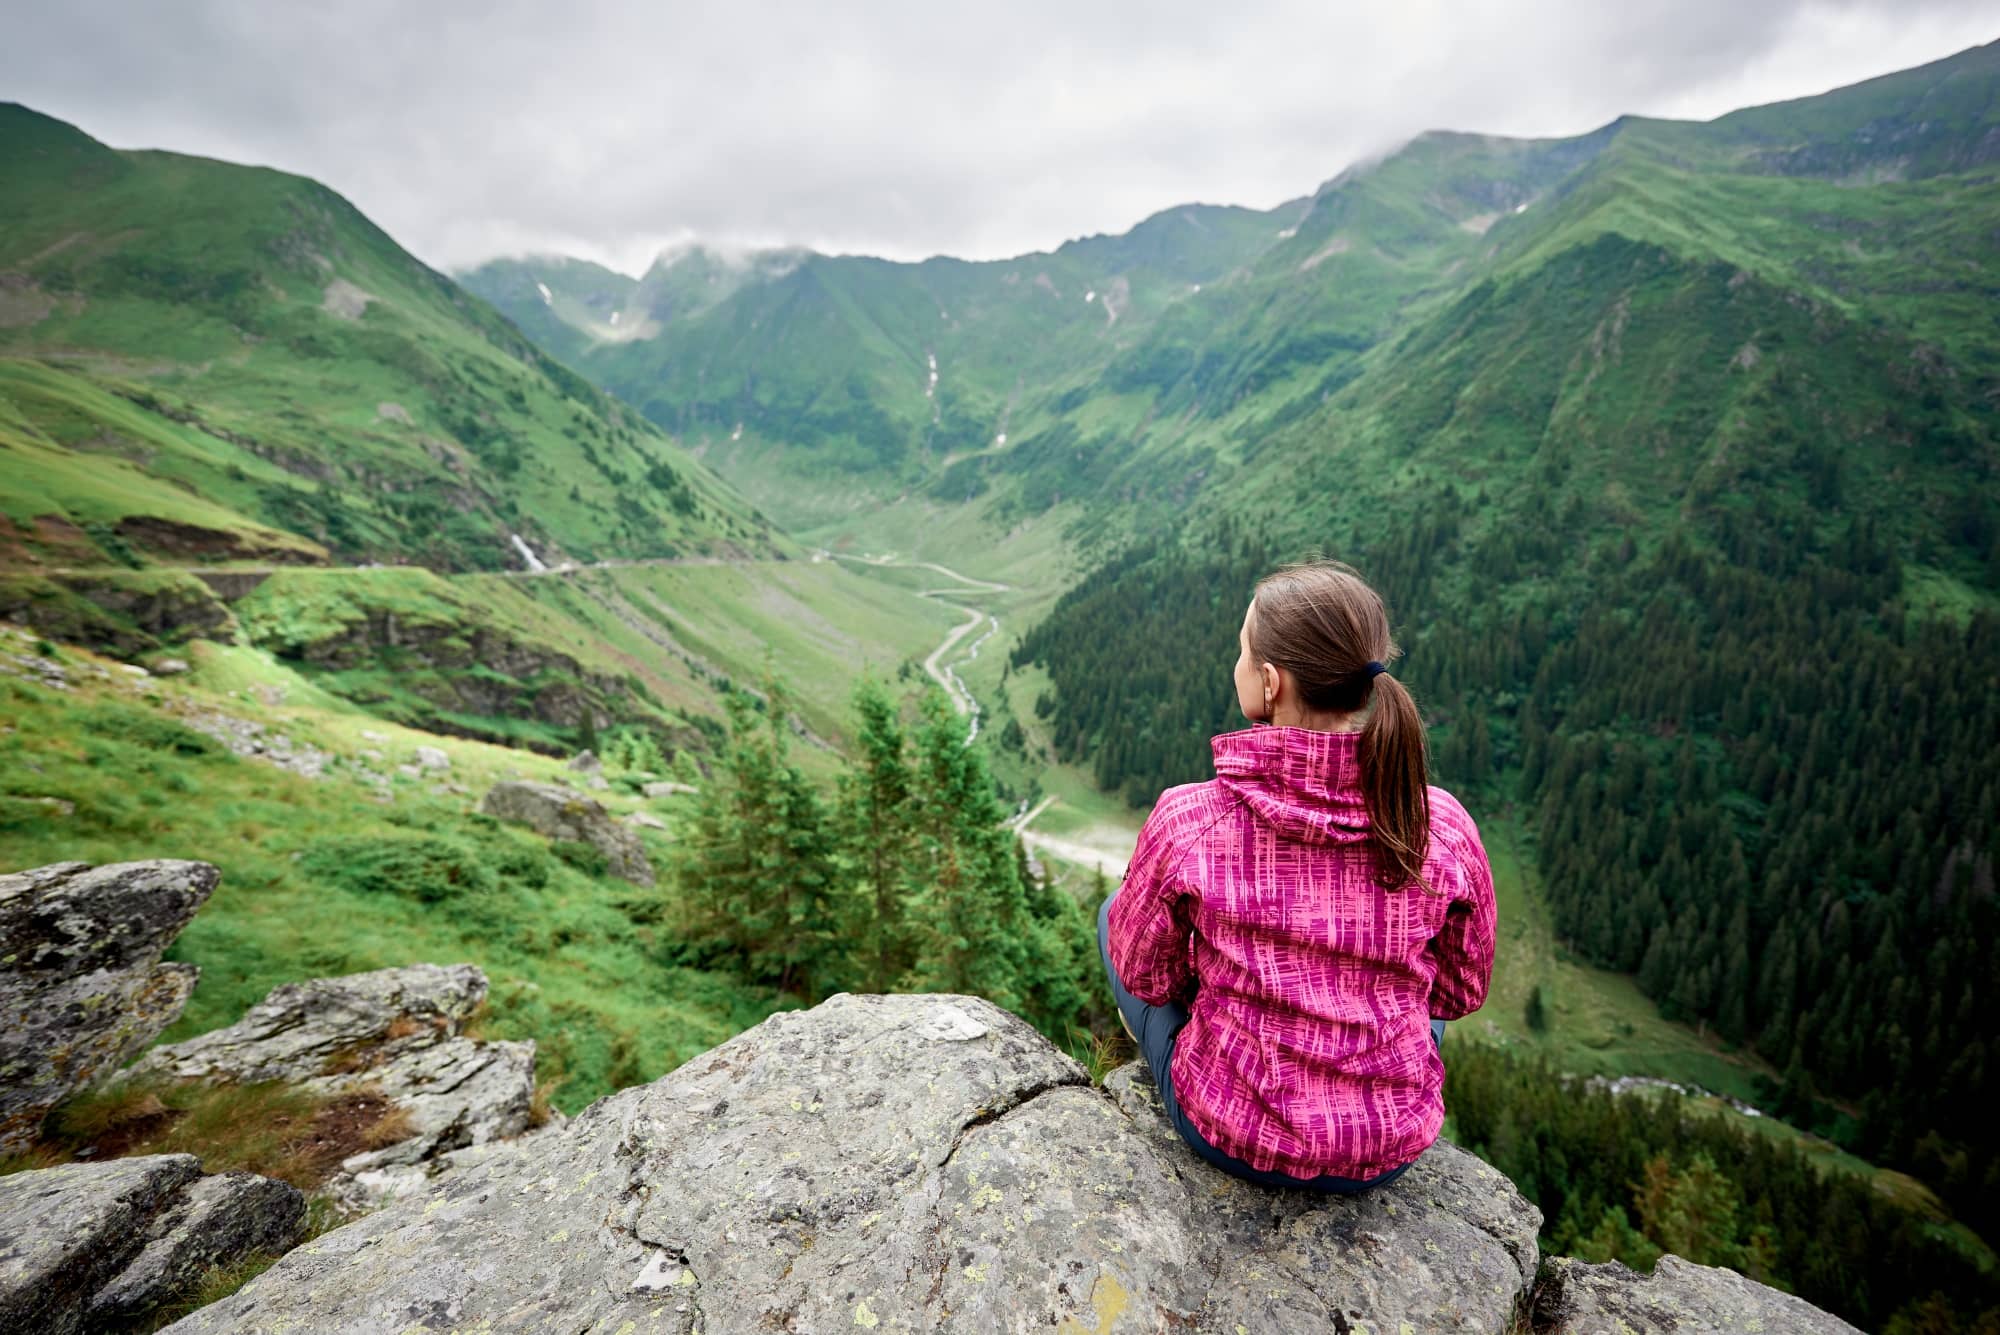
(943, 673)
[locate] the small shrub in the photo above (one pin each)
(526, 865)
(136, 728)
(425, 868)
(584, 857)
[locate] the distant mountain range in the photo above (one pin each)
(1152, 365)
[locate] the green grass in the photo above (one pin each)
(578, 963)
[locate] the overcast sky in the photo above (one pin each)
(470, 130)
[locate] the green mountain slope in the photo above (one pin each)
(808, 379)
(203, 362)
(1688, 497)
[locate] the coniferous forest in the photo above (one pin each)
(1752, 774)
(902, 879)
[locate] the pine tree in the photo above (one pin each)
(876, 837)
(757, 870)
(969, 904)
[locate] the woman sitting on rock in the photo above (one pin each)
(1292, 934)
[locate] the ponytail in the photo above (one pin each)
(1395, 783)
(1321, 622)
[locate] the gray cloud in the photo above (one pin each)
(894, 127)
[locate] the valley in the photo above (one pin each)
(887, 596)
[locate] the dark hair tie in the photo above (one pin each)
(1374, 669)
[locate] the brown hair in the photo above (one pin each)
(1322, 623)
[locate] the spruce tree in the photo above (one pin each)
(876, 837)
(757, 869)
(967, 896)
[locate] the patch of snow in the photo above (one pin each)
(1521, 207)
(527, 554)
(931, 388)
(1000, 439)
(1288, 234)
(737, 434)
(1090, 296)
(1195, 288)
(547, 299)
(615, 315)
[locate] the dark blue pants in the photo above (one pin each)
(1156, 1028)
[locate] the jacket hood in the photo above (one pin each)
(1306, 784)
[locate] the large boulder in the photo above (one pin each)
(92, 1246)
(82, 987)
(396, 1031)
(1678, 1298)
(897, 1163)
(564, 813)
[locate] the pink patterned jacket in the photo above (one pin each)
(1308, 1046)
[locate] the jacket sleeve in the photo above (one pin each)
(1151, 924)
(1463, 948)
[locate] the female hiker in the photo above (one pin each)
(1292, 934)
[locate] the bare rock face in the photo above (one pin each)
(91, 1246)
(1678, 1298)
(896, 1163)
(1449, 1246)
(82, 987)
(564, 813)
(398, 1031)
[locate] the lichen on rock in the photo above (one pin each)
(564, 813)
(899, 1163)
(82, 987)
(96, 1246)
(396, 1032)
(1678, 1298)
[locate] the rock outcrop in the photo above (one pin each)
(1678, 1298)
(564, 813)
(82, 987)
(897, 1163)
(395, 1031)
(92, 1246)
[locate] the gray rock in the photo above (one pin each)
(895, 1163)
(431, 758)
(396, 1031)
(643, 820)
(1678, 1298)
(86, 1245)
(586, 762)
(82, 987)
(1449, 1246)
(170, 667)
(564, 813)
(665, 788)
(217, 1221)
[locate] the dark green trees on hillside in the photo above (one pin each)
(904, 878)
(1629, 1176)
(1758, 779)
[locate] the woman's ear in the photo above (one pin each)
(1274, 685)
